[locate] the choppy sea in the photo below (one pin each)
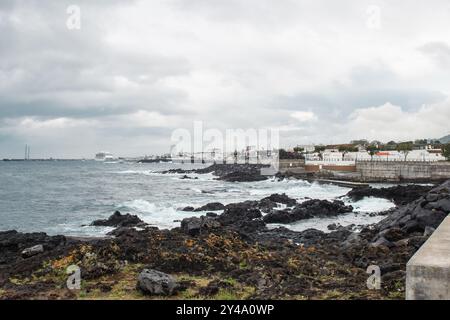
(64, 197)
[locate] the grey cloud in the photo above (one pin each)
(370, 85)
(337, 104)
(230, 63)
(48, 70)
(438, 51)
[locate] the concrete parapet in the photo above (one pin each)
(428, 271)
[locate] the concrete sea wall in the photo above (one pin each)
(428, 271)
(402, 170)
(292, 166)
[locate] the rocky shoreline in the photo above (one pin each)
(229, 253)
(227, 172)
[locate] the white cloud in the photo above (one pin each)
(145, 119)
(388, 121)
(304, 116)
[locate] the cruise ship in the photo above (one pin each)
(104, 156)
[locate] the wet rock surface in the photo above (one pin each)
(258, 262)
(400, 195)
(227, 172)
(222, 169)
(427, 211)
(187, 177)
(243, 176)
(120, 220)
(213, 206)
(177, 171)
(281, 198)
(308, 209)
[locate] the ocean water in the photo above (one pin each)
(64, 197)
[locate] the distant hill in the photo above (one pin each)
(445, 139)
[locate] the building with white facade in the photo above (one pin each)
(335, 157)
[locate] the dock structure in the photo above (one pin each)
(347, 184)
(428, 271)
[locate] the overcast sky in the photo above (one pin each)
(322, 71)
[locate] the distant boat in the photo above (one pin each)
(104, 156)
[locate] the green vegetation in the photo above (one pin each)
(350, 148)
(446, 151)
(405, 148)
(319, 148)
(372, 150)
(362, 142)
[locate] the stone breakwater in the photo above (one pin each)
(230, 254)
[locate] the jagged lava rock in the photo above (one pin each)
(196, 225)
(213, 206)
(427, 211)
(400, 195)
(153, 282)
(13, 243)
(119, 220)
(308, 209)
(281, 198)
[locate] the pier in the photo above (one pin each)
(348, 184)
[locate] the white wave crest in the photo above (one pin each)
(164, 217)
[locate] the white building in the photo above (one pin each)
(332, 156)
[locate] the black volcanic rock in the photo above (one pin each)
(14, 245)
(189, 178)
(213, 206)
(119, 220)
(153, 282)
(400, 195)
(281, 198)
(275, 263)
(276, 238)
(226, 172)
(240, 212)
(308, 209)
(222, 169)
(427, 211)
(236, 172)
(196, 225)
(177, 171)
(243, 217)
(243, 177)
